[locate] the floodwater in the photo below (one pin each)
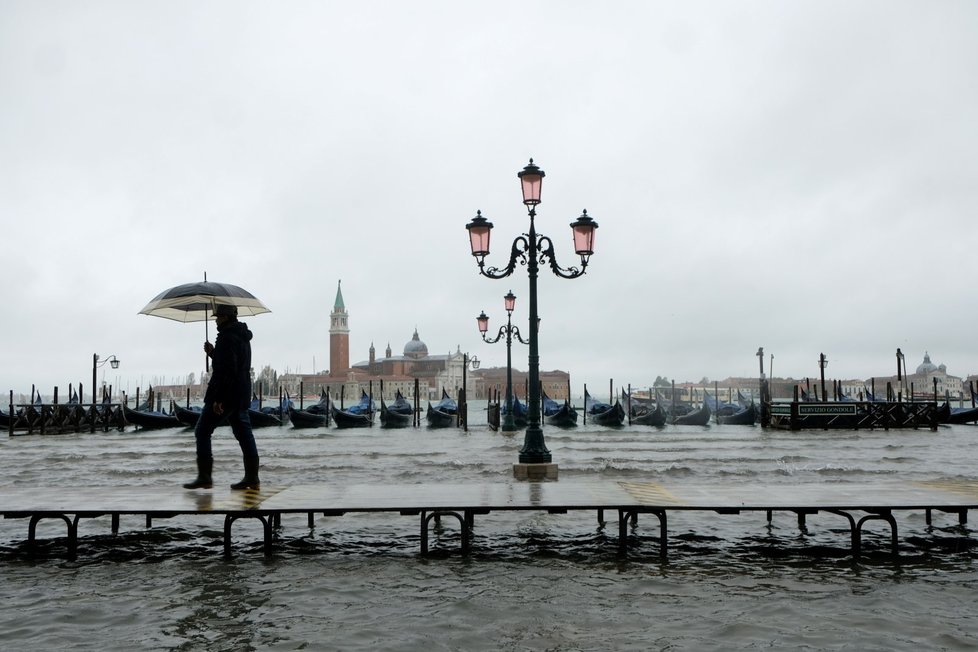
(534, 581)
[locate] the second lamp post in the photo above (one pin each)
(509, 424)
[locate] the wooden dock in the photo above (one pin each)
(60, 418)
(857, 503)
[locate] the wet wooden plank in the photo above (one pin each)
(488, 497)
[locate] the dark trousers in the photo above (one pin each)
(240, 424)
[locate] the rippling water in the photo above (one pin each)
(533, 582)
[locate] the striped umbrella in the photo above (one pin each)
(196, 301)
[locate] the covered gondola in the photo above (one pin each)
(746, 416)
(399, 414)
(519, 413)
(949, 415)
(314, 416)
(444, 413)
(562, 415)
(700, 417)
(603, 414)
(643, 412)
(360, 415)
(645, 416)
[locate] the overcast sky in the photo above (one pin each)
(801, 176)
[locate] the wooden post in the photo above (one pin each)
(628, 408)
(417, 403)
(585, 404)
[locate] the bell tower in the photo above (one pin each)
(339, 337)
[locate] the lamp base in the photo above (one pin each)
(535, 472)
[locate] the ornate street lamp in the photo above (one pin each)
(466, 361)
(509, 424)
(96, 363)
(531, 249)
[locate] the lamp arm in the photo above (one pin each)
(499, 336)
(545, 247)
(518, 254)
(516, 334)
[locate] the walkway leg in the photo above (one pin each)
(882, 516)
(72, 532)
(266, 522)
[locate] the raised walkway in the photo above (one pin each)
(858, 503)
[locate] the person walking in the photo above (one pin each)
(228, 396)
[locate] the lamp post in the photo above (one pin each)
(509, 424)
(901, 367)
(96, 363)
(466, 361)
(823, 362)
(531, 249)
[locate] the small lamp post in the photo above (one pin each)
(530, 250)
(96, 363)
(510, 331)
(901, 368)
(823, 362)
(466, 361)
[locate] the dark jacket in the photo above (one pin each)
(230, 382)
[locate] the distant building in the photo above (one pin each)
(415, 366)
(492, 383)
(929, 378)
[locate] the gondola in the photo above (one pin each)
(265, 417)
(643, 412)
(742, 413)
(187, 416)
(562, 415)
(603, 414)
(700, 417)
(360, 415)
(150, 420)
(746, 416)
(444, 413)
(949, 415)
(399, 414)
(649, 417)
(5, 418)
(314, 416)
(519, 413)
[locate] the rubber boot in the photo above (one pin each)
(250, 480)
(204, 479)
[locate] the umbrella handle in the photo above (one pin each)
(207, 337)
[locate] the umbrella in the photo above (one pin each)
(196, 302)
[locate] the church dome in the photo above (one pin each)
(415, 348)
(926, 366)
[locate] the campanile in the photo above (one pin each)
(339, 337)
